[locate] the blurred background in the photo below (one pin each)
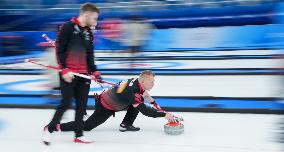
(208, 55)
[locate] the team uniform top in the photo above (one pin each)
(74, 47)
(123, 94)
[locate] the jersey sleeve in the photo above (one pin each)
(137, 99)
(90, 55)
(62, 40)
(150, 112)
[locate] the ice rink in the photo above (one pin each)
(20, 130)
(217, 63)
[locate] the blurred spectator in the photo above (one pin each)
(111, 32)
(136, 32)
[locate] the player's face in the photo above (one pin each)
(92, 18)
(148, 82)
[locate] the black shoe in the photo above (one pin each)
(124, 128)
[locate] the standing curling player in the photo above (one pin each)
(74, 50)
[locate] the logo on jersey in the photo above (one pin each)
(122, 86)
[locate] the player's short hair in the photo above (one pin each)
(89, 7)
(146, 73)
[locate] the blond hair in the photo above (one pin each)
(145, 73)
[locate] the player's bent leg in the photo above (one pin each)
(127, 123)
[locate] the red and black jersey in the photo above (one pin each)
(74, 47)
(123, 94)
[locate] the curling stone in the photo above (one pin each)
(174, 128)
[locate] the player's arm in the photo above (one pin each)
(62, 40)
(90, 57)
(139, 104)
(150, 112)
(147, 111)
(148, 97)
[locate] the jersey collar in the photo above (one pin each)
(140, 87)
(76, 21)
